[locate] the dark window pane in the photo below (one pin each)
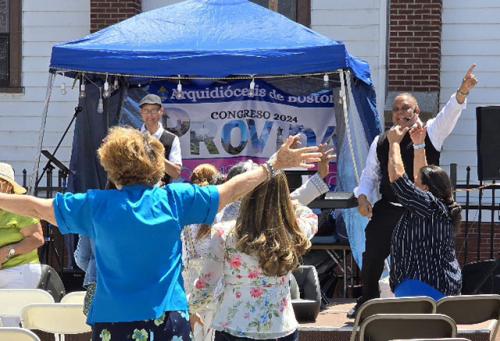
(4, 59)
(4, 16)
(286, 7)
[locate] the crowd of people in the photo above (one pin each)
(212, 259)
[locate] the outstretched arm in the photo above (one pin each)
(395, 164)
(440, 127)
(286, 157)
(29, 206)
(315, 185)
(417, 135)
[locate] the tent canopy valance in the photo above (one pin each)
(206, 38)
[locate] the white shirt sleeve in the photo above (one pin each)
(175, 155)
(370, 176)
(310, 190)
(440, 127)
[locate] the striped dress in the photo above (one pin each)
(423, 245)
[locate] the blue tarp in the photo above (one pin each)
(206, 38)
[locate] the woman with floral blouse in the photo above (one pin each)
(250, 262)
(195, 244)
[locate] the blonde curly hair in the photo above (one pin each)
(203, 175)
(131, 157)
(267, 228)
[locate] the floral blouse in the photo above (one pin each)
(251, 304)
(193, 252)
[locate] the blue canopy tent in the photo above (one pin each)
(221, 39)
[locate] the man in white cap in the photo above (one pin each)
(152, 112)
(20, 237)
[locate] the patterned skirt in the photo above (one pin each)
(173, 325)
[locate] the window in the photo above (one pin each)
(10, 45)
(296, 10)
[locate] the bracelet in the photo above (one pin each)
(419, 146)
(271, 171)
(460, 92)
(268, 170)
(270, 164)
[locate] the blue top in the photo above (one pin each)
(85, 259)
(206, 38)
(138, 247)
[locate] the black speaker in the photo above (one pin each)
(488, 143)
(481, 277)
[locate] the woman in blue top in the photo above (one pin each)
(136, 230)
(423, 259)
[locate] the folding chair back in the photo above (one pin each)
(12, 301)
(17, 334)
(75, 297)
(384, 327)
(434, 339)
(56, 318)
(471, 309)
(399, 305)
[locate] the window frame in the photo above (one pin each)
(304, 12)
(15, 48)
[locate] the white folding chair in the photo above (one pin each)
(12, 301)
(57, 318)
(17, 334)
(75, 297)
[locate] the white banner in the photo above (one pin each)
(223, 125)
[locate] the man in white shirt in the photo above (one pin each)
(152, 112)
(385, 213)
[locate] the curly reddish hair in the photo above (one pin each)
(131, 157)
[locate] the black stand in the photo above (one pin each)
(52, 158)
(49, 233)
(49, 246)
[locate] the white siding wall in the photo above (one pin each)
(471, 34)
(44, 23)
(361, 25)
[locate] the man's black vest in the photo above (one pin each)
(166, 139)
(406, 144)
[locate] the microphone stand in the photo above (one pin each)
(63, 173)
(48, 166)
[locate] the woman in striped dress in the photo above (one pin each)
(423, 259)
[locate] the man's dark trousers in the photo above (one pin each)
(378, 232)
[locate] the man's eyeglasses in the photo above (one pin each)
(150, 111)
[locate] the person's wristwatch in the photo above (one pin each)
(12, 253)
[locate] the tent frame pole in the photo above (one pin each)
(343, 95)
(48, 93)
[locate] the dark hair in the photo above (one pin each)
(240, 168)
(439, 185)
